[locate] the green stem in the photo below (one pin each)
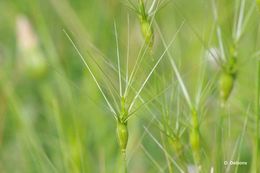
(124, 161)
(257, 114)
(195, 137)
(220, 140)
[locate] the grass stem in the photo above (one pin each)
(257, 114)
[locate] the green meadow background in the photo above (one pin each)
(53, 117)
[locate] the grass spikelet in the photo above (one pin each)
(227, 79)
(126, 105)
(146, 18)
(146, 25)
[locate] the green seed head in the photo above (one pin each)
(122, 135)
(145, 22)
(226, 83)
(147, 32)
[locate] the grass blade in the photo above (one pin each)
(118, 61)
(93, 76)
(149, 75)
(176, 71)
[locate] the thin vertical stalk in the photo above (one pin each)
(220, 140)
(195, 137)
(257, 114)
(125, 162)
(118, 61)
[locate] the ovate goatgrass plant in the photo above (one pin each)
(146, 17)
(123, 108)
(171, 125)
(228, 68)
(194, 135)
(172, 128)
(228, 61)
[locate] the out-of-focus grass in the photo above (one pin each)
(59, 122)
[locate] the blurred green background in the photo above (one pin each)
(52, 115)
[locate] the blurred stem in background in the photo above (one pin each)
(257, 113)
(256, 156)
